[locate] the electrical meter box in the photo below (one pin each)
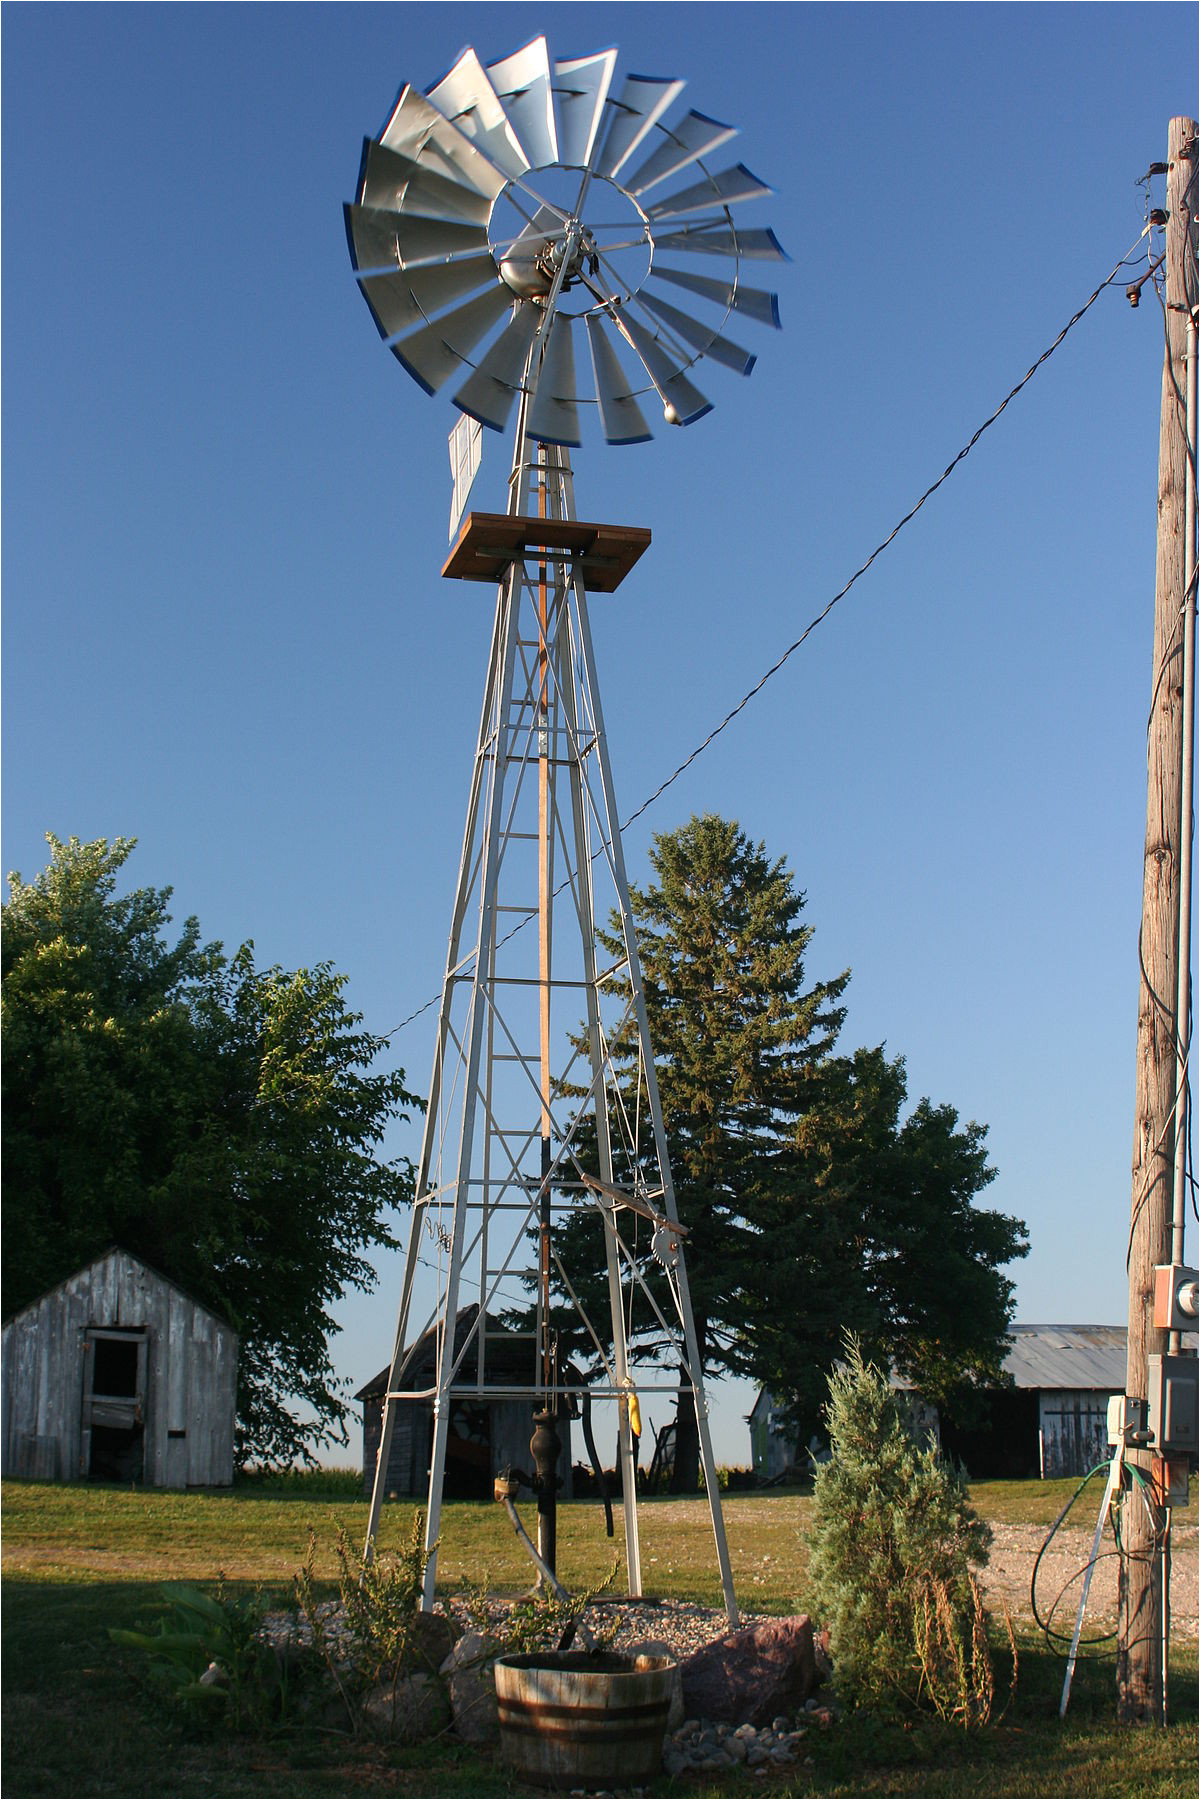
(1171, 1405)
(1175, 1297)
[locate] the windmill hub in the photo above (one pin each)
(530, 267)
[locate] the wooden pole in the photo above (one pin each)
(1143, 1597)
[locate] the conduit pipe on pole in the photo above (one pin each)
(1183, 1011)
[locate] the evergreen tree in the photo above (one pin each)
(892, 1554)
(811, 1203)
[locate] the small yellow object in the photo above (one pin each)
(635, 1415)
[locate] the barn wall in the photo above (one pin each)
(190, 1384)
(408, 1461)
(1074, 1428)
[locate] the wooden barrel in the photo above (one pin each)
(583, 1720)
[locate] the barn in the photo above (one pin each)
(118, 1375)
(487, 1431)
(1052, 1420)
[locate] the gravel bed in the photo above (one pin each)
(622, 1624)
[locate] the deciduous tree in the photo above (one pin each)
(220, 1121)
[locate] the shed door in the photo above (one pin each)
(114, 1405)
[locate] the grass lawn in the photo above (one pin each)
(78, 1718)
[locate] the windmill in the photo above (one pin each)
(505, 219)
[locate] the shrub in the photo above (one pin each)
(893, 1549)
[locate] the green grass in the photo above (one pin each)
(78, 1718)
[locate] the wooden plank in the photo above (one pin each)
(225, 1404)
(200, 1399)
(488, 543)
(179, 1319)
(154, 1320)
(49, 1313)
(75, 1335)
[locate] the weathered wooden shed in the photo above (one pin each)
(118, 1375)
(486, 1431)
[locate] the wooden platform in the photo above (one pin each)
(489, 542)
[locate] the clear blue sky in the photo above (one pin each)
(225, 512)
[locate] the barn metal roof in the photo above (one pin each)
(1067, 1356)
(1056, 1356)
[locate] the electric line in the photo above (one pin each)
(820, 617)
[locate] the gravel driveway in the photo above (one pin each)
(1014, 1551)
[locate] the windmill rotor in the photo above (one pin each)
(507, 203)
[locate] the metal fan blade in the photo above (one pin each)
(434, 353)
(489, 391)
(756, 303)
(554, 415)
(672, 384)
(375, 239)
(620, 414)
(695, 135)
(411, 296)
(715, 238)
(694, 332)
(469, 101)
(522, 84)
(418, 129)
(644, 99)
(580, 89)
(725, 189)
(392, 182)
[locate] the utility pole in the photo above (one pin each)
(1163, 1028)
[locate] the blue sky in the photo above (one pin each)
(225, 512)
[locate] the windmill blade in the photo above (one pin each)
(725, 189)
(699, 335)
(620, 415)
(755, 303)
(434, 353)
(580, 89)
(672, 384)
(714, 237)
(467, 98)
(376, 247)
(489, 391)
(418, 129)
(695, 135)
(411, 297)
(643, 101)
(389, 181)
(522, 84)
(554, 415)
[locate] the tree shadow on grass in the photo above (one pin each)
(80, 1717)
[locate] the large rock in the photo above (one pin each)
(747, 1677)
(467, 1673)
(409, 1709)
(432, 1637)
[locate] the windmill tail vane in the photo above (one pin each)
(534, 234)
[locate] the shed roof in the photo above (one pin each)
(500, 1357)
(98, 1262)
